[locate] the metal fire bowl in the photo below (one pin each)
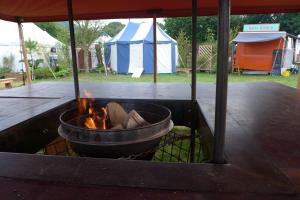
(119, 142)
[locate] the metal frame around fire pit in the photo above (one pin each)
(174, 147)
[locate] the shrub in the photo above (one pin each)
(184, 50)
(100, 68)
(4, 71)
(8, 61)
(43, 73)
(63, 72)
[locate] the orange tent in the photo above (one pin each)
(257, 50)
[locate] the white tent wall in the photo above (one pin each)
(102, 39)
(10, 44)
(7, 51)
(288, 55)
(17, 65)
(136, 57)
(164, 58)
(297, 51)
(142, 32)
(94, 58)
(176, 55)
(113, 58)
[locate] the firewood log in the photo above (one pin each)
(116, 113)
(134, 120)
(119, 126)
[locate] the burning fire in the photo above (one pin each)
(95, 119)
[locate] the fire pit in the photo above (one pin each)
(108, 141)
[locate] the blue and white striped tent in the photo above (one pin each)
(132, 49)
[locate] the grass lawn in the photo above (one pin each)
(182, 78)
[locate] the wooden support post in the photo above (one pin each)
(298, 85)
(154, 49)
(222, 81)
(73, 49)
(24, 53)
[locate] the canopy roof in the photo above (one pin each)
(56, 10)
(248, 37)
(140, 33)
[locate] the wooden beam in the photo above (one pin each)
(24, 53)
(154, 49)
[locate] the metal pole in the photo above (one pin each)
(194, 59)
(294, 60)
(22, 42)
(194, 47)
(73, 48)
(222, 80)
(154, 48)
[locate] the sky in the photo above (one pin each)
(125, 21)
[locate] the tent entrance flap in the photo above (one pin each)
(245, 37)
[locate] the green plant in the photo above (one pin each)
(63, 72)
(36, 63)
(100, 68)
(8, 61)
(32, 48)
(210, 36)
(184, 49)
(86, 32)
(4, 71)
(43, 73)
(98, 48)
(63, 55)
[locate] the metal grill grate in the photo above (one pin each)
(174, 147)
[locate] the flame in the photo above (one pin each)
(88, 94)
(90, 123)
(93, 120)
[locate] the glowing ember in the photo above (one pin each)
(94, 120)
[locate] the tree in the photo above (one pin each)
(86, 32)
(113, 28)
(8, 61)
(289, 22)
(53, 28)
(99, 53)
(184, 49)
(173, 26)
(32, 48)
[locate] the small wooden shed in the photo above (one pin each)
(262, 51)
